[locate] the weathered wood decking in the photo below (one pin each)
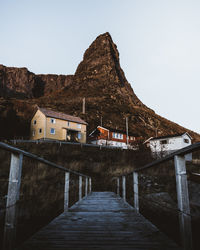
(100, 221)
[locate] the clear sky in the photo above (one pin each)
(158, 41)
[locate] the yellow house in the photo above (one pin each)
(48, 124)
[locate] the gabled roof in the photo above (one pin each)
(103, 128)
(168, 136)
(149, 139)
(94, 132)
(61, 116)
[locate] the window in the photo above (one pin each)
(40, 130)
(78, 125)
(163, 142)
(68, 123)
(34, 122)
(53, 131)
(186, 140)
(117, 135)
(33, 132)
(79, 135)
(53, 120)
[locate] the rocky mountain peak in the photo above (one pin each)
(102, 58)
(100, 69)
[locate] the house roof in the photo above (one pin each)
(61, 116)
(168, 136)
(103, 128)
(94, 132)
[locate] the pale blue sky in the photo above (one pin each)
(158, 41)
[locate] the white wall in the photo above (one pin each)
(110, 143)
(173, 143)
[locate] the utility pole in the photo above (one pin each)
(83, 105)
(156, 128)
(156, 132)
(127, 131)
(101, 121)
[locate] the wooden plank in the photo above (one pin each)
(183, 202)
(90, 185)
(80, 187)
(135, 191)
(117, 185)
(86, 186)
(66, 191)
(12, 198)
(97, 227)
(124, 187)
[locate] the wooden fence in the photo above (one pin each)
(13, 194)
(181, 189)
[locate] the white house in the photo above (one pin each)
(161, 146)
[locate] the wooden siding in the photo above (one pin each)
(104, 133)
(60, 127)
(108, 135)
(40, 119)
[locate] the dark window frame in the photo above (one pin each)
(163, 142)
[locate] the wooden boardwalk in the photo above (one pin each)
(101, 221)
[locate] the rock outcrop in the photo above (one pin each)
(16, 82)
(100, 71)
(22, 84)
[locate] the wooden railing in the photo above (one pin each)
(181, 189)
(14, 189)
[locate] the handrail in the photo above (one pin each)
(35, 157)
(180, 152)
(14, 183)
(181, 187)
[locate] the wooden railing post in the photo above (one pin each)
(183, 202)
(66, 194)
(90, 185)
(80, 187)
(12, 198)
(117, 185)
(124, 187)
(86, 186)
(135, 191)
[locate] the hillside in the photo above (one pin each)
(99, 78)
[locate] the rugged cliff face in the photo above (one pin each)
(22, 84)
(99, 78)
(101, 72)
(16, 82)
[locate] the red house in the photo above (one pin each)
(114, 138)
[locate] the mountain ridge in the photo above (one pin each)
(99, 78)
